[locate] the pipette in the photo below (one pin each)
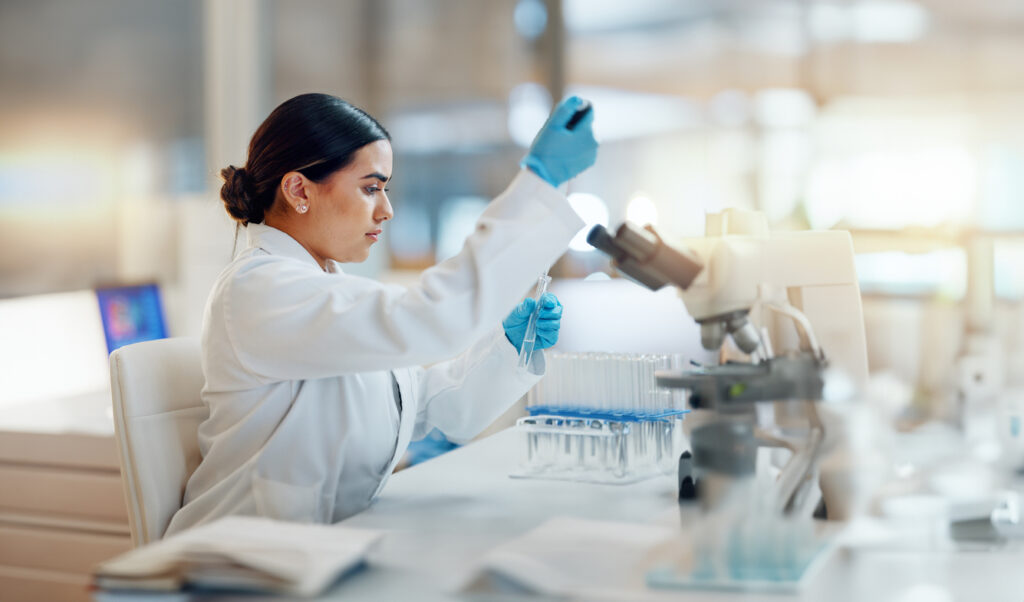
(530, 338)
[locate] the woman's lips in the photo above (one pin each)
(374, 235)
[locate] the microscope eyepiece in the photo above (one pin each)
(602, 240)
(643, 256)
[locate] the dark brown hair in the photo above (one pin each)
(313, 134)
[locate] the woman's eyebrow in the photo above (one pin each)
(383, 178)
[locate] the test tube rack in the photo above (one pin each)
(600, 417)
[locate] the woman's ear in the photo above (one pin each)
(294, 187)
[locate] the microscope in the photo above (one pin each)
(783, 310)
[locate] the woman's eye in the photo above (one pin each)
(375, 189)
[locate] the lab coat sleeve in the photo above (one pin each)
(286, 321)
(463, 396)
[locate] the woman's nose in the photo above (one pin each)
(384, 210)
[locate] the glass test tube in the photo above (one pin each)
(530, 338)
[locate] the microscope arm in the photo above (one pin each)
(802, 324)
(766, 439)
(797, 475)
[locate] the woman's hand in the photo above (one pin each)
(558, 153)
(548, 322)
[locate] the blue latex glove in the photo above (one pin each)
(559, 154)
(548, 322)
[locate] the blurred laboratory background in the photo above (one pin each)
(901, 121)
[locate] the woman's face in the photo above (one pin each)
(348, 209)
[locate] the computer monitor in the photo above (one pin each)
(131, 314)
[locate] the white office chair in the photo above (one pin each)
(157, 411)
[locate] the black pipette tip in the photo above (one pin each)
(578, 115)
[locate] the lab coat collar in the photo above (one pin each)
(277, 242)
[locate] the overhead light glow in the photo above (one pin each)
(623, 114)
(642, 210)
(593, 211)
(894, 189)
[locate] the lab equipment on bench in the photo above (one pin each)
(755, 553)
(614, 384)
(598, 450)
(600, 417)
(771, 304)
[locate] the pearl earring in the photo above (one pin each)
(302, 208)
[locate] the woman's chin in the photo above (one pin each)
(355, 257)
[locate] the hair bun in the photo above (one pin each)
(237, 195)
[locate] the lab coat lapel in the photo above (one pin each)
(407, 421)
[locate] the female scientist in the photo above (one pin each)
(312, 377)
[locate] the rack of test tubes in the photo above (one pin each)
(600, 417)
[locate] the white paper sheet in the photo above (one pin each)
(571, 556)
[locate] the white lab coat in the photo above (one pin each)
(302, 366)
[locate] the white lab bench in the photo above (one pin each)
(442, 516)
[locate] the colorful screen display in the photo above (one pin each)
(131, 314)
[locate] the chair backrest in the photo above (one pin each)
(157, 410)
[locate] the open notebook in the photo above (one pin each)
(242, 553)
